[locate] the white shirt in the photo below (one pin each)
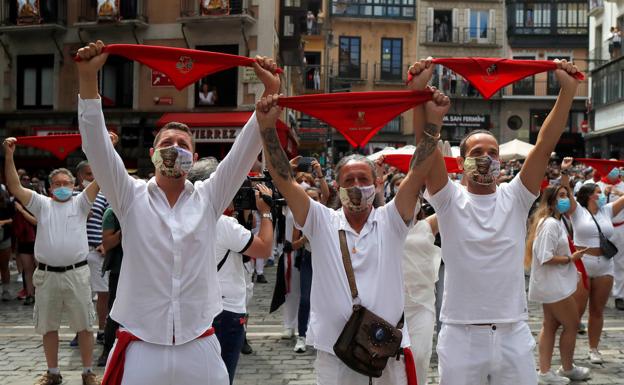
(612, 197)
(421, 262)
(61, 229)
(585, 229)
(232, 237)
(376, 254)
(289, 223)
(483, 241)
(168, 283)
(551, 283)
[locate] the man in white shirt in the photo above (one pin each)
(375, 240)
(234, 240)
(485, 338)
(62, 276)
(168, 292)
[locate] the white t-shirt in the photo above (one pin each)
(483, 241)
(61, 229)
(232, 237)
(551, 283)
(288, 224)
(421, 262)
(585, 229)
(612, 197)
(376, 254)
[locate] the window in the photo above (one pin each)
(393, 126)
(524, 86)
(479, 30)
(391, 59)
(572, 18)
(405, 9)
(532, 18)
(221, 88)
(443, 29)
(35, 81)
(349, 57)
(117, 82)
(552, 85)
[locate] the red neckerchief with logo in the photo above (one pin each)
(182, 65)
(59, 145)
(488, 75)
(402, 163)
(358, 116)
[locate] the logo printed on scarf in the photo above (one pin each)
(360, 123)
(492, 75)
(185, 64)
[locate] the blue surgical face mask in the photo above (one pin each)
(613, 174)
(62, 193)
(563, 205)
(602, 200)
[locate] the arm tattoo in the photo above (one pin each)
(275, 154)
(427, 145)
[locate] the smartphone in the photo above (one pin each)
(305, 164)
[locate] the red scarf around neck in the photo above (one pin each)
(488, 75)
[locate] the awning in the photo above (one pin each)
(224, 127)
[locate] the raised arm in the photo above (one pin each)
(267, 113)
(618, 206)
(92, 191)
(107, 165)
(318, 170)
(438, 177)
(425, 158)
(262, 244)
(535, 165)
(12, 179)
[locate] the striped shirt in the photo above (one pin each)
(94, 222)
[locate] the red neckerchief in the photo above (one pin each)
(358, 116)
(580, 267)
(59, 145)
(602, 166)
(182, 65)
(488, 75)
(402, 163)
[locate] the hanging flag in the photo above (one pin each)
(182, 65)
(59, 145)
(489, 75)
(358, 116)
(602, 166)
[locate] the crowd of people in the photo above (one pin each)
(373, 263)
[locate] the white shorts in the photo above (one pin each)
(501, 354)
(99, 283)
(59, 293)
(331, 371)
(597, 266)
(195, 362)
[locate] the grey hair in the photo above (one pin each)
(202, 169)
(355, 158)
(81, 166)
(61, 171)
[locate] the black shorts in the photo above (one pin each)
(26, 247)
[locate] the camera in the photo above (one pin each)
(245, 198)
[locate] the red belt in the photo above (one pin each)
(115, 367)
(618, 224)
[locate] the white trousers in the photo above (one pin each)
(331, 371)
(420, 324)
(193, 363)
(486, 355)
(291, 306)
(618, 274)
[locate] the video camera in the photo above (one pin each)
(245, 198)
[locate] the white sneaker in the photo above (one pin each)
(595, 357)
(550, 378)
(288, 333)
(577, 373)
(300, 346)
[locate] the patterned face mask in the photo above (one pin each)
(172, 161)
(482, 170)
(357, 199)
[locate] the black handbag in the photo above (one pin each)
(609, 250)
(367, 341)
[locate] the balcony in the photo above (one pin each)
(386, 74)
(608, 83)
(237, 11)
(479, 36)
(540, 89)
(455, 85)
(49, 17)
(433, 36)
(132, 13)
(314, 78)
(599, 56)
(350, 72)
(375, 9)
(595, 7)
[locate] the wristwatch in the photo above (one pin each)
(268, 216)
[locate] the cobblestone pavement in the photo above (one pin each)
(273, 361)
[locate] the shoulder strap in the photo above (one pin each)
(597, 225)
(346, 260)
(222, 261)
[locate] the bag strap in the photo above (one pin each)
(346, 260)
(222, 261)
(597, 225)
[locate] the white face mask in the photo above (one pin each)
(172, 161)
(483, 170)
(357, 199)
(85, 183)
